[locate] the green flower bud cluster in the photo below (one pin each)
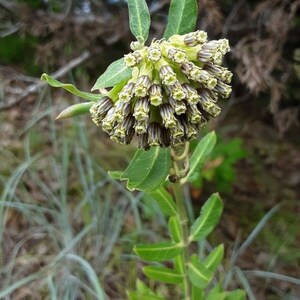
(172, 92)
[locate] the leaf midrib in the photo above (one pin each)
(204, 219)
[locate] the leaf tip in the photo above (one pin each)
(44, 76)
(60, 116)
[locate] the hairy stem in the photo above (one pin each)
(183, 219)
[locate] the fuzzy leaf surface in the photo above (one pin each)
(209, 217)
(182, 17)
(163, 274)
(148, 169)
(114, 74)
(203, 149)
(70, 88)
(158, 252)
(139, 19)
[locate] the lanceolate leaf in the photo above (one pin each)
(203, 149)
(75, 110)
(114, 74)
(139, 19)
(70, 88)
(208, 219)
(182, 17)
(148, 169)
(213, 260)
(158, 252)
(165, 201)
(198, 274)
(163, 274)
(174, 229)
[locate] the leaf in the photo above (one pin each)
(139, 19)
(165, 201)
(174, 229)
(179, 264)
(133, 295)
(117, 175)
(148, 169)
(208, 219)
(158, 252)
(197, 293)
(203, 149)
(213, 260)
(75, 110)
(216, 293)
(198, 274)
(70, 88)
(163, 274)
(141, 287)
(182, 17)
(114, 74)
(236, 295)
(143, 292)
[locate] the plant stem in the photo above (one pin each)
(183, 221)
(182, 217)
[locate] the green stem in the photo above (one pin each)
(182, 217)
(183, 221)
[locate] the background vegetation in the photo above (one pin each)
(66, 228)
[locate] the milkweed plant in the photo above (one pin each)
(158, 97)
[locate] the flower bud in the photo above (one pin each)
(193, 114)
(167, 115)
(190, 130)
(192, 94)
(223, 89)
(154, 135)
(141, 126)
(155, 94)
(142, 85)
(133, 59)
(122, 109)
(127, 92)
(154, 53)
(143, 141)
(177, 91)
(178, 106)
(167, 75)
(109, 121)
(122, 129)
(176, 55)
(141, 109)
(99, 109)
(177, 134)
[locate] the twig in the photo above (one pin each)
(33, 88)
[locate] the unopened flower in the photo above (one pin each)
(172, 93)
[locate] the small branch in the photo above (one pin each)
(33, 88)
